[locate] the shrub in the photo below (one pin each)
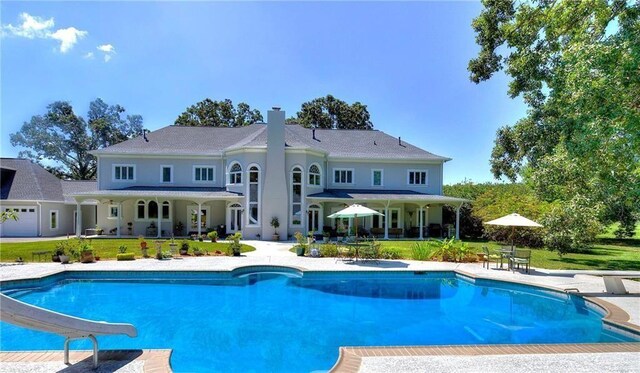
(125, 256)
(390, 253)
(213, 235)
(421, 251)
(184, 245)
(329, 251)
(122, 249)
(234, 244)
(571, 226)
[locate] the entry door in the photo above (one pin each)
(234, 223)
(192, 218)
(313, 221)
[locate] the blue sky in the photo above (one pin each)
(407, 61)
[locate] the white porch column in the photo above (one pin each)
(199, 219)
(458, 222)
(119, 219)
(386, 221)
(159, 233)
(79, 219)
(421, 222)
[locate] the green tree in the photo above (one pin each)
(218, 114)
(330, 112)
(576, 65)
(65, 138)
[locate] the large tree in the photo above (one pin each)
(576, 64)
(65, 138)
(218, 114)
(330, 112)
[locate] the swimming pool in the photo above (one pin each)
(282, 320)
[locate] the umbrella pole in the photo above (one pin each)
(513, 231)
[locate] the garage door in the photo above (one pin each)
(25, 226)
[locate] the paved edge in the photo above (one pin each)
(154, 361)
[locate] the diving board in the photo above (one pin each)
(22, 314)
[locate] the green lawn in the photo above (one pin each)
(106, 248)
(608, 233)
(623, 255)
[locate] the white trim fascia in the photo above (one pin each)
(156, 156)
(6, 201)
(245, 150)
(162, 167)
(386, 160)
(193, 174)
(315, 152)
(373, 170)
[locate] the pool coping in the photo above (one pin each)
(350, 358)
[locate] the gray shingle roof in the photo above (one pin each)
(178, 140)
(384, 195)
(25, 180)
(70, 187)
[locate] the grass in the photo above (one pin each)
(601, 256)
(609, 232)
(106, 248)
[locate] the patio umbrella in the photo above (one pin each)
(354, 211)
(513, 220)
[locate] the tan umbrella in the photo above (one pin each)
(513, 220)
(354, 211)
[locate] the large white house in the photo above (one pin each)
(185, 180)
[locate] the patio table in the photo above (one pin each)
(506, 254)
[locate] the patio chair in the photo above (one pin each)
(521, 256)
(371, 252)
(488, 257)
(345, 253)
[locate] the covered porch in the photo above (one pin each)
(163, 212)
(407, 214)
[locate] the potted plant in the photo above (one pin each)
(234, 244)
(61, 248)
(275, 223)
(197, 251)
(172, 246)
(86, 252)
(326, 236)
(213, 235)
(301, 246)
(184, 247)
(143, 246)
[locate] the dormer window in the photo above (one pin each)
(235, 174)
(314, 175)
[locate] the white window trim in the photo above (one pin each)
(229, 173)
(162, 167)
(248, 222)
(113, 173)
(426, 178)
(109, 211)
(353, 176)
(51, 212)
(302, 196)
(319, 174)
(373, 170)
(193, 174)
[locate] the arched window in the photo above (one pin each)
(314, 175)
(296, 196)
(235, 174)
(140, 211)
(166, 210)
(153, 210)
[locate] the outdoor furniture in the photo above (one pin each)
(612, 279)
(371, 252)
(435, 230)
(505, 254)
(488, 257)
(520, 256)
(345, 253)
(40, 254)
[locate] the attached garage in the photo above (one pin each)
(25, 226)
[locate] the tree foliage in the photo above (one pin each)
(576, 64)
(209, 113)
(332, 113)
(65, 138)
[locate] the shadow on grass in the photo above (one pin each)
(610, 264)
(629, 242)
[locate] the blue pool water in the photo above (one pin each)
(276, 323)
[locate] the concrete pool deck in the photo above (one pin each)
(624, 310)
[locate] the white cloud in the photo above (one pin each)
(88, 56)
(36, 27)
(68, 37)
(31, 27)
(106, 48)
(107, 57)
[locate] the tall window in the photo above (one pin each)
(53, 220)
(254, 195)
(140, 210)
(235, 174)
(203, 173)
(124, 172)
(166, 174)
(376, 177)
(166, 210)
(343, 176)
(314, 175)
(153, 210)
(296, 196)
(417, 177)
